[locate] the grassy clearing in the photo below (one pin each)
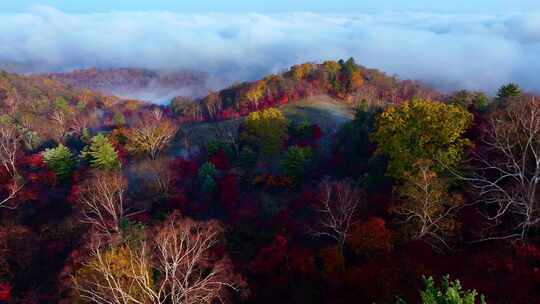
(323, 110)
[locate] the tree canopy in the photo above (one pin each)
(60, 160)
(508, 91)
(421, 129)
(266, 130)
(102, 154)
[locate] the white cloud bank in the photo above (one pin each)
(449, 51)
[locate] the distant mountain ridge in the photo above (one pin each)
(137, 83)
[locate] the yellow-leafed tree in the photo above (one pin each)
(266, 129)
(422, 129)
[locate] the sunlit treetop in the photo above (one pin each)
(421, 129)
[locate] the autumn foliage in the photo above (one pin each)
(230, 198)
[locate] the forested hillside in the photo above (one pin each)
(344, 80)
(328, 183)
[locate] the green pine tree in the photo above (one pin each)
(508, 91)
(207, 170)
(295, 161)
(206, 175)
(85, 136)
(60, 161)
(208, 185)
(447, 293)
(119, 119)
(213, 146)
(102, 154)
(247, 158)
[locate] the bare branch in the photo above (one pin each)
(426, 207)
(10, 140)
(508, 169)
(102, 201)
(152, 136)
(174, 265)
(340, 202)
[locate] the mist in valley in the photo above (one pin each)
(448, 51)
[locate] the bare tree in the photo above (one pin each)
(157, 114)
(102, 201)
(79, 123)
(212, 104)
(58, 127)
(10, 141)
(228, 134)
(183, 256)
(115, 275)
(152, 136)
(152, 178)
(507, 169)
(339, 204)
(427, 209)
(187, 143)
(176, 265)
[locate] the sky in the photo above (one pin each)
(477, 45)
(273, 6)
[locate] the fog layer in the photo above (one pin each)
(449, 51)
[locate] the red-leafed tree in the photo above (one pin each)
(369, 237)
(5, 291)
(220, 160)
(269, 258)
(228, 192)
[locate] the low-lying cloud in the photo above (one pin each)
(449, 51)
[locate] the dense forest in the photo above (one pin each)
(420, 197)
